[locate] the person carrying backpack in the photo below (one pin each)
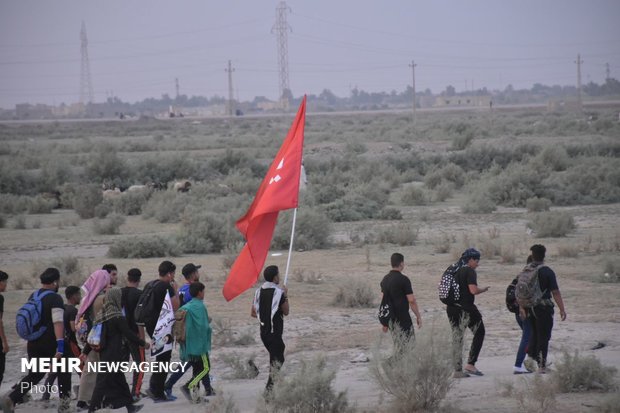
(396, 288)
(41, 320)
(524, 324)
(540, 314)
(464, 314)
(129, 302)
(4, 277)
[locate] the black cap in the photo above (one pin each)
(189, 269)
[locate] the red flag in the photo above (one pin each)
(278, 191)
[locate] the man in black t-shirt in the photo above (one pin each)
(270, 305)
(397, 287)
(165, 283)
(129, 300)
(50, 344)
(541, 316)
(465, 314)
(4, 277)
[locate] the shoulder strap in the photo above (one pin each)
(38, 295)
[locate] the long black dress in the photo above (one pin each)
(111, 389)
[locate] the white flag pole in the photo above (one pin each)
(290, 247)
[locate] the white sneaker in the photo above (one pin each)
(520, 370)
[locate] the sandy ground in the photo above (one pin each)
(316, 327)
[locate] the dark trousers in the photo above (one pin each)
(137, 355)
(39, 349)
(275, 346)
(526, 329)
(71, 350)
(158, 380)
(200, 372)
(111, 389)
(461, 319)
(2, 363)
(541, 319)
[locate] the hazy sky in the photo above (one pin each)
(137, 48)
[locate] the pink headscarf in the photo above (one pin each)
(95, 283)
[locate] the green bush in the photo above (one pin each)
(109, 225)
(40, 205)
(403, 235)
(355, 294)
(538, 204)
(553, 157)
(417, 375)
(413, 195)
(19, 222)
(352, 208)
(390, 214)
(71, 269)
(552, 224)
(575, 373)
(130, 203)
(312, 230)
(478, 201)
(143, 247)
(86, 200)
(204, 232)
(308, 390)
(611, 271)
(2, 221)
(165, 206)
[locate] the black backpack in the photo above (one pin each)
(511, 298)
(449, 290)
(386, 313)
(147, 311)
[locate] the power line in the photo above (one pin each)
(281, 28)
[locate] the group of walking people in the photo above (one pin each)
(535, 318)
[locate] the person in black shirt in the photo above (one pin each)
(50, 344)
(4, 277)
(72, 349)
(397, 287)
(465, 314)
(130, 297)
(164, 284)
(541, 315)
(270, 306)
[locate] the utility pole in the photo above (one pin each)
(86, 85)
(412, 66)
(579, 62)
(607, 72)
(176, 85)
(281, 29)
(230, 105)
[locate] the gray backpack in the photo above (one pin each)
(527, 290)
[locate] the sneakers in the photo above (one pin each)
(209, 392)
(186, 392)
(520, 370)
(459, 375)
(168, 392)
(7, 405)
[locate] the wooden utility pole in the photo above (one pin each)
(412, 66)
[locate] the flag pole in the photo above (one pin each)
(290, 247)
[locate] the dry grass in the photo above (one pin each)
(537, 395)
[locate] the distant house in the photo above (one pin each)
(463, 101)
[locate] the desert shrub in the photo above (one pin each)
(355, 294)
(40, 205)
(413, 195)
(552, 224)
(441, 244)
(403, 235)
(515, 185)
(508, 254)
(86, 200)
(478, 202)
(443, 191)
(2, 221)
(575, 373)
(568, 250)
(130, 203)
(203, 231)
(390, 214)
(102, 210)
(14, 204)
(143, 247)
(240, 368)
(71, 269)
(225, 335)
(312, 230)
(36, 224)
(553, 157)
(536, 204)
(417, 374)
(308, 276)
(462, 140)
(489, 247)
(352, 207)
(19, 222)
(308, 390)
(533, 396)
(611, 271)
(165, 206)
(109, 225)
(355, 148)
(221, 404)
(106, 166)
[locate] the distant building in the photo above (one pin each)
(28, 111)
(463, 101)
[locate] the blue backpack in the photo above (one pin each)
(29, 317)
